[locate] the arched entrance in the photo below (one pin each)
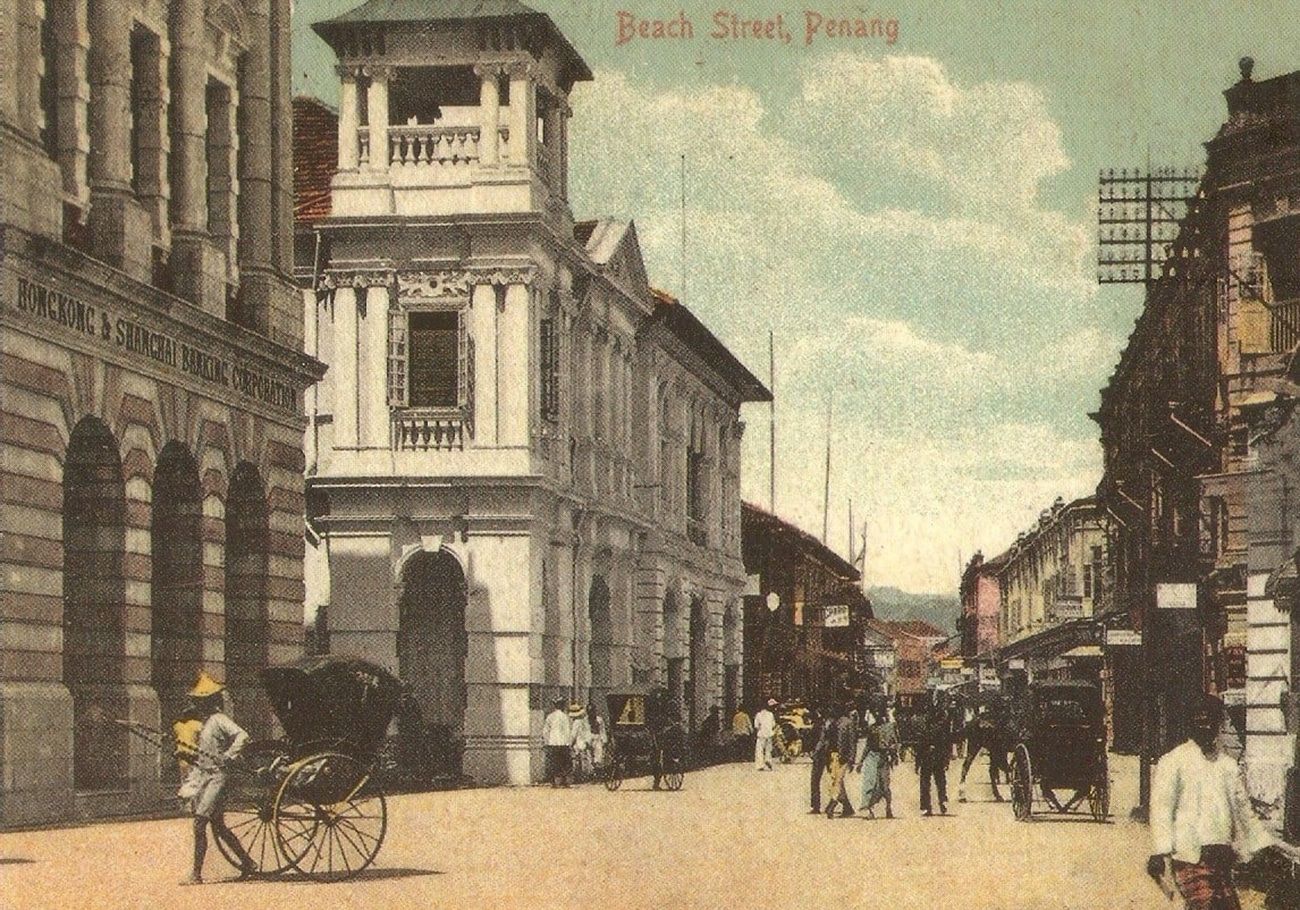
(247, 632)
(700, 696)
(94, 604)
(674, 652)
(599, 649)
(176, 639)
(732, 648)
(432, 647)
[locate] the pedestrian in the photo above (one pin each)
(1201, 819)
(557, 735)
(933, 750)
(879, 755)
(598, 737)
(820, 738)
(219, 741)
(741, 729)
(581, 732)
(843, 750)
(707, 737)
(764, 730)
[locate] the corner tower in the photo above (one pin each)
(451, 107)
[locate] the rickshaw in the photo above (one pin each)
(310, 801)
(645, 736)
(794, 724)
(1060, 746)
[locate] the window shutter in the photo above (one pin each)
(398, 348)
(464, 361)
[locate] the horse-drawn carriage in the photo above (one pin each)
(1060, 746)
(310, 801)
(645, 736)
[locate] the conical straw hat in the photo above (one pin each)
(206, 686)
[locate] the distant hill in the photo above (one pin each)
(939, 610)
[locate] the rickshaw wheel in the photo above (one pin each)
(613, 773)
(1022, 784)
(329, 817)
(250, 806)
(1099, 794)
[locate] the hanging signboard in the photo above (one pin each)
(835, 616)
(1123, 638)
(1176, 597)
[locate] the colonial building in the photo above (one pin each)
(1212, 342)
(805, 617)
(151, 373)
(915, 655)
(1048, 585)
(523, 465)
(981, 606)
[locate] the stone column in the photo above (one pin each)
(489, 114)
(282, 146)
(188, 166)
(255, 223)
(377, 104)
(343, 367)
(523, 114)
(348, 120)
(513, 368)
(110, 130)
(372, 367)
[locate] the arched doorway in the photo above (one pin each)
(94, 604)
(599, 655)
(732, 648)
(176, 639)
(700, 696)
(432, 647)
(247, 632)
(674, 652)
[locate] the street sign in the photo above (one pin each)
(1016, 663)
(951, 663)
(1123, 638)
(1176, 597)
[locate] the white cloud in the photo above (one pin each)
(887, 225)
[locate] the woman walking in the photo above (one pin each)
(878, 758)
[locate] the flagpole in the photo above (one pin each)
(826, 497)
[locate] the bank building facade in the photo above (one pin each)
(523, 463)
(151, 380)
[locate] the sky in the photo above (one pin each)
(913, 220)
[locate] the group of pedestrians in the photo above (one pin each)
(575, 739)
(843, 743)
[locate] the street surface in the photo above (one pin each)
(732, 838)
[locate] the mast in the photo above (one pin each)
(826, 497)
(771, 385)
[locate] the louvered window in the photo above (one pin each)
(429, 357)
(550, 366)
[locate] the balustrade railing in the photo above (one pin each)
(433, 430)
(422, 146)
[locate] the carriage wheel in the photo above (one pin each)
(1022, 784)
(1099, 794)
(329, 817)
(250, 806)
(673, 775)
(613, 772)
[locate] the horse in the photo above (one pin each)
(990, 732)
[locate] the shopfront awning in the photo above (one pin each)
(1054, 641)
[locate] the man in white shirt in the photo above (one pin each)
(764, 730)
(557, 735)
(1201, 820)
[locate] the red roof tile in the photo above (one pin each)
(315, 158)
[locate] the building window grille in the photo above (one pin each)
(220, 180)
(49, 82)
(550, 366)
(146, 113)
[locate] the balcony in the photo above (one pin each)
(430, 430)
